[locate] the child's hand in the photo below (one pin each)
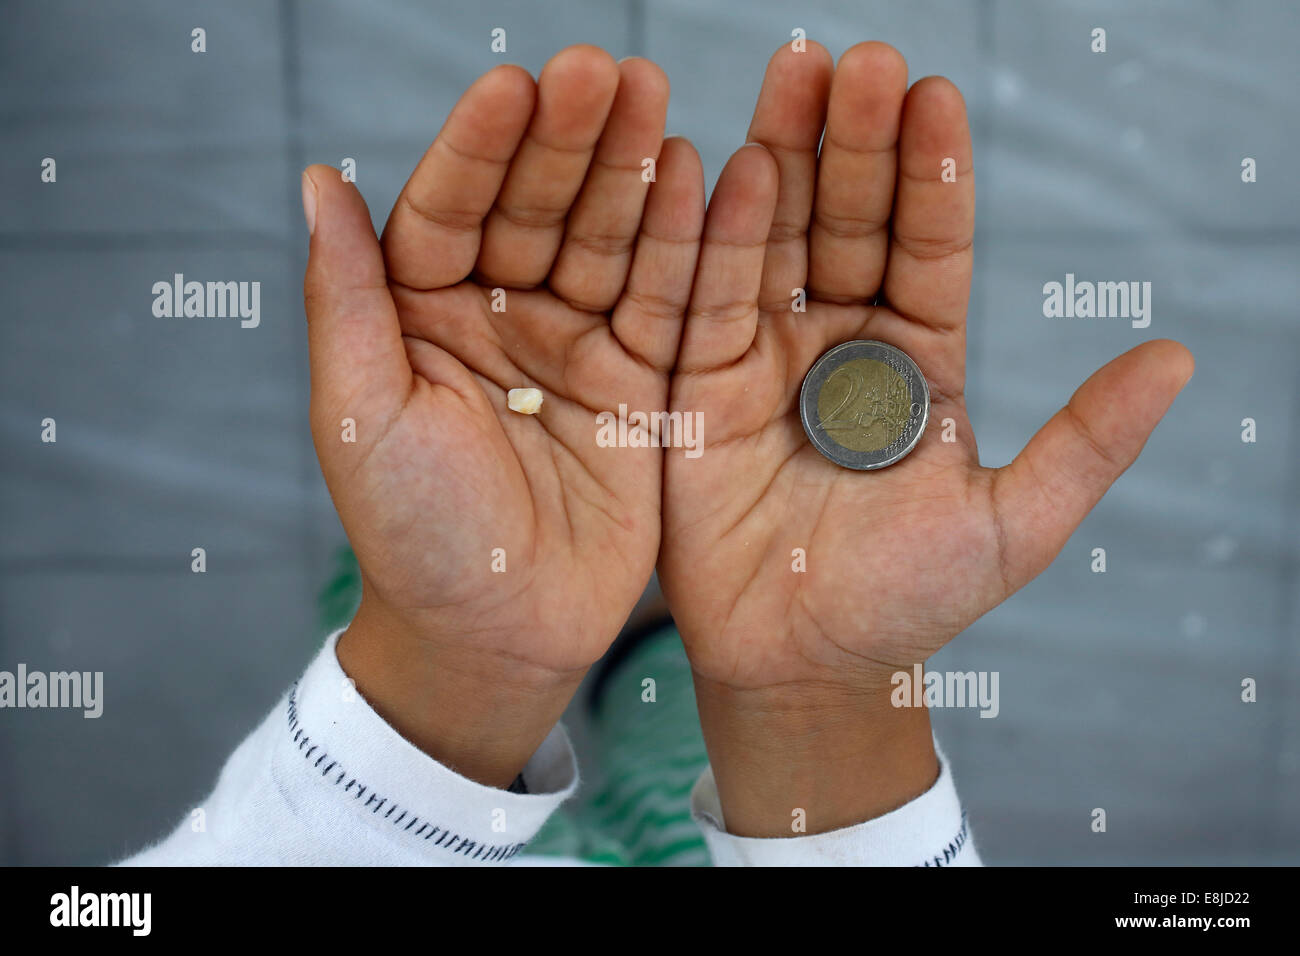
(793, 669)
(531, 199)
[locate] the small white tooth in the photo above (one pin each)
(527, 401)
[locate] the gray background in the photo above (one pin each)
(1118, 691)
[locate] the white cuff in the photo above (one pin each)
(325, 781)
(335, 740)
(928, 831)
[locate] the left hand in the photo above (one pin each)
(899, 560)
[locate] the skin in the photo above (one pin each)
(534, 188)
(792, 670)
(620, 291)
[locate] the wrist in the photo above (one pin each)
(477, 712)
(821, 754)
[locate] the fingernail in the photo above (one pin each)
(309, 202)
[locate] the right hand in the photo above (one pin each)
(535, 189)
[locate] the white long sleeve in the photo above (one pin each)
(928, 831)
(325, 781)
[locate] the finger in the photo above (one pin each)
(648, 318)
(523, 231)
(849, 237)
(927, 277)
(593, 262)
(432, 237)
(358, 362)
(1041, 497)
(723, 313)
(788, 120)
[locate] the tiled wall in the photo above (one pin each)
(1118, 690)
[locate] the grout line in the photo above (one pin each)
(133, 563)
(961, 734)
(296, 262)
(161, 241)
(1281, 735)
(636, 27)
(983, 121)
(219, 240)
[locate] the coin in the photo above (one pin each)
(864, 405)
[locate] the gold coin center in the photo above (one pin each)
(864, 405)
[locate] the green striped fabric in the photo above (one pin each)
(341, 596)
(649, 754)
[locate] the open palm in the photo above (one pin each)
(898, 560)
(527, 250)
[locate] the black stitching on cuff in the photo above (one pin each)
(954, 847)
(497, 853)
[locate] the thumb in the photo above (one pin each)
(355, 340)
(1043, 495)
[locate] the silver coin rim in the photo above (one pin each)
(918, 387)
